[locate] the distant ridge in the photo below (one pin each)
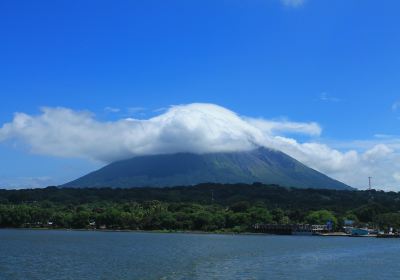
(184, 169)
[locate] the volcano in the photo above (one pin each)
(261, 165)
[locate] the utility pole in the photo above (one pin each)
(371, 198)
(370, 185)
(212, 195)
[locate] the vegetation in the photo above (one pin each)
(259, 165)
(205, 207)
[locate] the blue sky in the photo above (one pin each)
(335, 63)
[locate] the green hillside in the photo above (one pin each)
(184, 169)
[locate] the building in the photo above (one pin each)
(360, 232)
(296, 229)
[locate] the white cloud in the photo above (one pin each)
(383, 136)
(377, 152)
(293, 3)
(135, 110)
(199, 128)
(351, 166)
(279, 127)
(328, 98)
(396, 106)
(26, 182)
(194, 128)
(111, 110)
(396, 176)
(161, 109)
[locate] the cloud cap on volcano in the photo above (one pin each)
(195, 128)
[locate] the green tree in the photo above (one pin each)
(241, 220)
(62, 219)
(279, 216)
(366, 213)
(321, 217)
(387, 220)
(80, 219)
(201, 220)
(259, 215)
(241, 206)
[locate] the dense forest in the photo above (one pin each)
(205, 207)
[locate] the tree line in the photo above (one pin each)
(205, 207)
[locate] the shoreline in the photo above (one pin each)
(333, 235)
(140, 231)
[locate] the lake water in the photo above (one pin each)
(32, 254)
